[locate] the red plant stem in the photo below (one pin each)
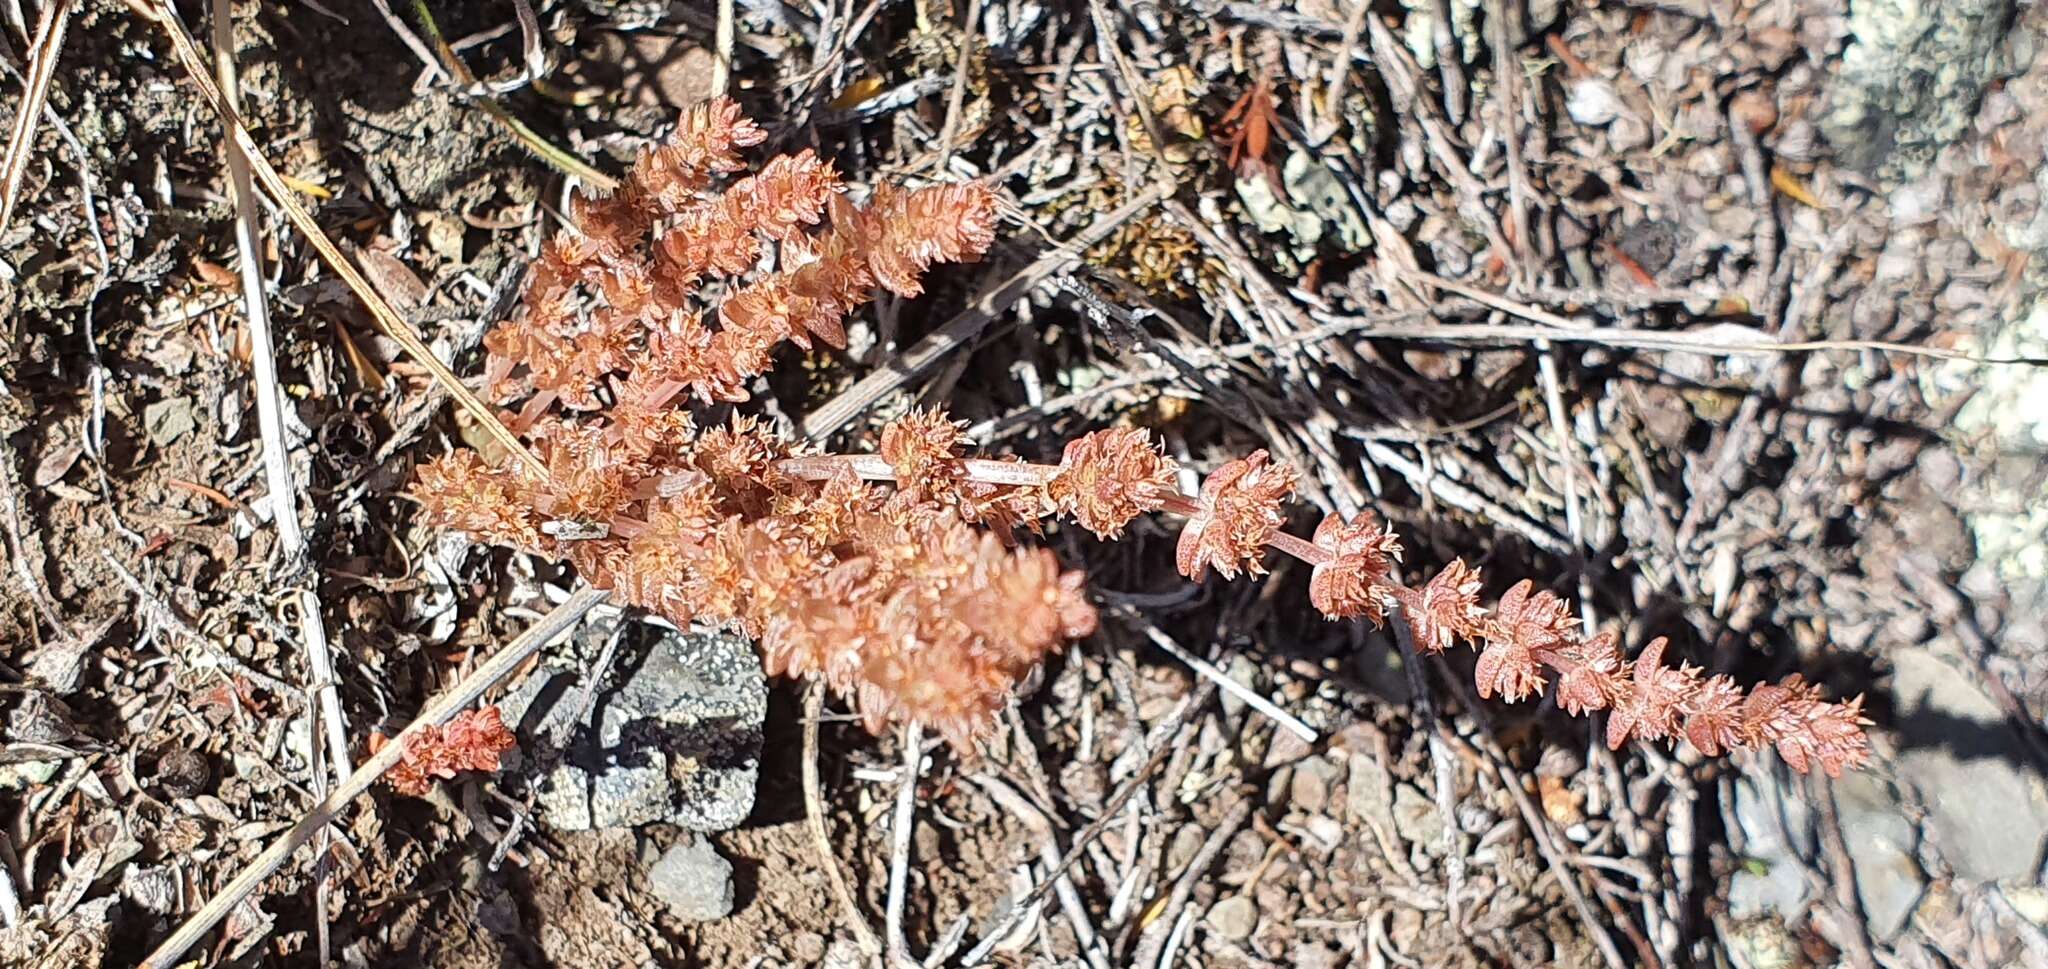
(660, 394)
(1298, 547)
(873, 467)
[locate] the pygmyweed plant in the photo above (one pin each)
(894, 576)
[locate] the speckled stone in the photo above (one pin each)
(676, 737)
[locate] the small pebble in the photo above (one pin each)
(1186, 842)
(181, 773)
(1592, 102)
(1754, 109)
(1311, 788)
(1234, 918)
(694, 881)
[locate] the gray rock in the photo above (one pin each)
(2030, 901)
(693, 880)
(154, 889)
(1315, 955)
(1777, 830)
(1417, 819)
(1881, 843)
(1365, 794)
(1765, 944)
(1987, 810)
(1186, 843)
(1310, 786)
(1234, 918)
(1911, 79)
(166, 421)
(1592, 102)
(843, 954)
(676, 738)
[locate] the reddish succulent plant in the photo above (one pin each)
(914, 600)
(470, 741)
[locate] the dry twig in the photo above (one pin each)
(42, 66)
(962, 329)
(814, 820)
(165, 17)
(284, 506)
(436, 713)
(899, 845)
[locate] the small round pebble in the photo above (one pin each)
(1234, 918)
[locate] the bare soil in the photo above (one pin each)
(1821, 512)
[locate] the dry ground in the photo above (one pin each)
(1682, 170)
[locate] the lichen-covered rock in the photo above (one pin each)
(1911, 78)
(674, 737)
(1987, 805)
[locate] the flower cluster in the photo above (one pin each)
(1531, 633)
(612, 296)
(892, 596)
(471, 740)
(1109, 477)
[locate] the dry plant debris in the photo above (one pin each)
(1660, 186)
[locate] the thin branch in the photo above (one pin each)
(1445, 776)
(899, 845)
(951, 129)
(1049, 855)
(542, 148)
(962, 329)
(721, 64)
(454, 700)
(1223, 680)
(1539, 827)
(42, 66)
(1706, 341)
(1168, 739)
(165, 17)
(814, 820)
(1153, 943)
(292, 559)
(277, 474)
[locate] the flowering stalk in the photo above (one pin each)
(914, 600)
(1529, 636)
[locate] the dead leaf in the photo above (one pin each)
(58, 462)
(1561, 804)
(1792, 188)
(857, 93)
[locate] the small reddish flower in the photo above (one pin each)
(1834, 738)
(1354, 581)
(1509, 669)
(1538, 620)
(1713, 716)
(1806, 729)
(1109, 477)
(1523, 626)
(457, 490)
(1445, 610)
(923, 448)
(1650, 703)
(1591, 674)
(1240, 510)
